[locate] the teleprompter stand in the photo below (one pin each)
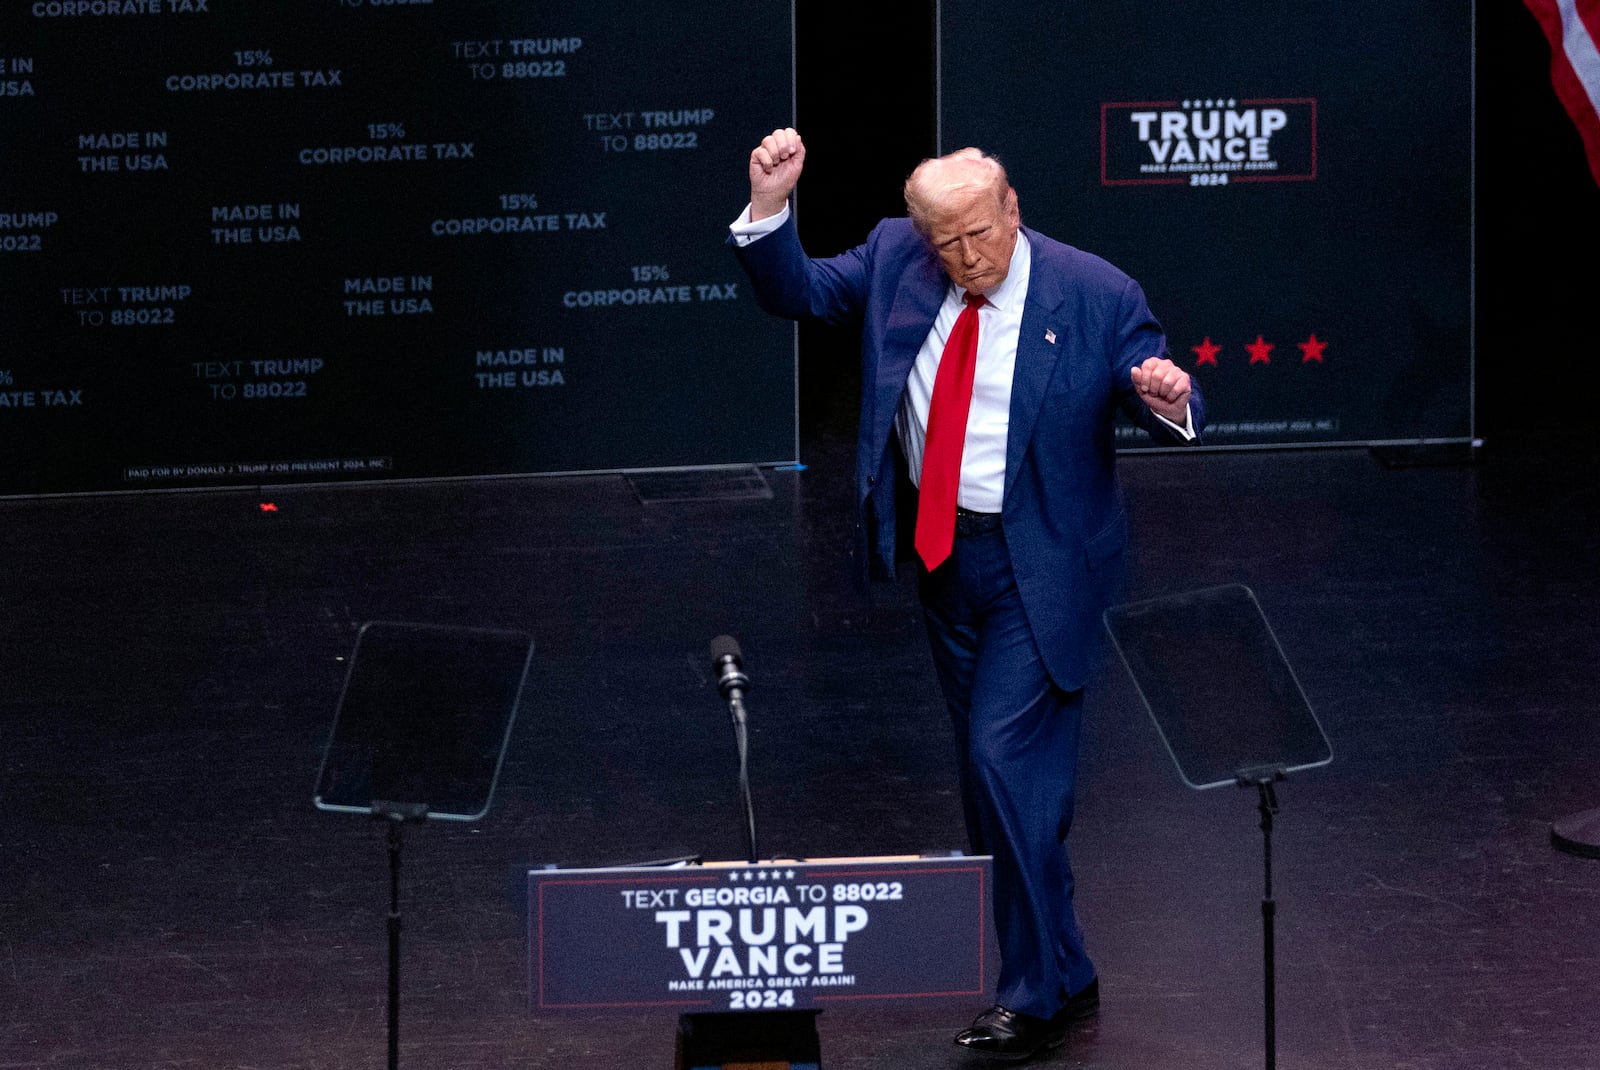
(420, 732)
(1229, 710)
(395, 815)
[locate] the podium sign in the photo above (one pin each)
(763, 937)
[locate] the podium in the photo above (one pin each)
(748, 954)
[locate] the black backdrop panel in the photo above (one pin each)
(266, 242)
(1291, 183)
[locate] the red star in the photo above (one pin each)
(1260, 351)
(1208, 352)
(1312, 349)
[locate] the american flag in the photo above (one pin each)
(1573, 28)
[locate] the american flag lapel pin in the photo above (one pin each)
(1050, 336)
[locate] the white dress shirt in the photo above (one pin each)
(983, 458)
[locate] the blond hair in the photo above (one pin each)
(936, 181)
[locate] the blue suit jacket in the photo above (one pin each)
(1085, 324)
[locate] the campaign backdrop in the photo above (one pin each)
(354, 239)
(1291, 184)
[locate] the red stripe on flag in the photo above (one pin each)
(1577, 85)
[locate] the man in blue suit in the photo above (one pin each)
(1019, 527)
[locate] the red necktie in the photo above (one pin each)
(947, 434)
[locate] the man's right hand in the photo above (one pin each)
(775, 167)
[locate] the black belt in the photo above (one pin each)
(971, 523)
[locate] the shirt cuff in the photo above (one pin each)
(1186, 429)
(744, 231)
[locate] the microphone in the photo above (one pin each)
(731, 680)
(732, 684)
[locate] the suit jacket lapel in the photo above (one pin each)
(911, 315)
(1039, 348)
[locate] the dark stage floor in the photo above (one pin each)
(171, 898)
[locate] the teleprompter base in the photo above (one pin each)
(1578, 834)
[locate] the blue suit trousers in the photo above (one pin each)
(1017, 743)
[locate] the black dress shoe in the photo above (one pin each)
(1084, 1003)
(1008, 1034)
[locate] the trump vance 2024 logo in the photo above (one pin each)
(1208, 141)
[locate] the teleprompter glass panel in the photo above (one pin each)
(424, 718)
(1215, 681)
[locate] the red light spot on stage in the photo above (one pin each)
(269, 507)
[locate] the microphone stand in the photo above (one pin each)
(731, 684)
(766, 1037)
(742, 742)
